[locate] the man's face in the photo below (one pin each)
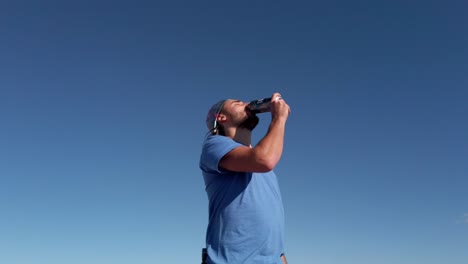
(240, 116)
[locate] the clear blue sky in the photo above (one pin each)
(102, 109)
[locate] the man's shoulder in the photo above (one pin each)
(217, 138)
(217, 141)
(214, 148)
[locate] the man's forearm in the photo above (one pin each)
(270, 147)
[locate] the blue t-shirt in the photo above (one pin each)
(246, 216)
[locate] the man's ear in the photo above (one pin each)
(221, 118)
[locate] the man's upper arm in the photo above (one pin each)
(244, 159)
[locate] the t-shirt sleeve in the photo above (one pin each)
(214, 148)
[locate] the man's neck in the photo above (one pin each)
(243, 136)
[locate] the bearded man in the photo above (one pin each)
(246, 215)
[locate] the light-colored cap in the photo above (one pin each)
(212, 115)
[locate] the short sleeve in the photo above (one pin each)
(213, 150)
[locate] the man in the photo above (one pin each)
(246, 217)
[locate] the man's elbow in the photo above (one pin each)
(266, 165)
(266, 160)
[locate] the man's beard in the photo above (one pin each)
(250, 123)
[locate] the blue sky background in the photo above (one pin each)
(102, 109)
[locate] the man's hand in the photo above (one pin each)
(283, 258)
(278, 107)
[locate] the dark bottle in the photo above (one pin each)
(260, 105)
